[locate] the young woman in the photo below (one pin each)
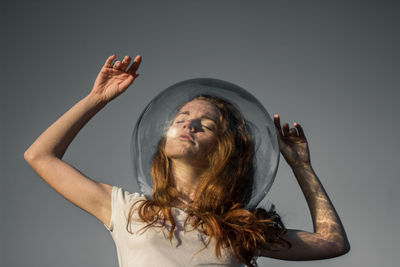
(201, 173)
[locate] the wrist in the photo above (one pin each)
(96, 101)
(301, 166)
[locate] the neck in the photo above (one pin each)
(187, 179)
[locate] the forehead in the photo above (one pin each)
(200, 107)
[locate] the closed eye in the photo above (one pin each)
(209, 127)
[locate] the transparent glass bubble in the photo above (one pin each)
(154, 121)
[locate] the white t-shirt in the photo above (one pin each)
(152, 247)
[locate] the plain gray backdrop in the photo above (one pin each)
(332, 66)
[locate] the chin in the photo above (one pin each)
(180, 154)
(187, 157)
(179, 149)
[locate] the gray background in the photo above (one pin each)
(332, 66)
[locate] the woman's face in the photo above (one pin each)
(193, 133)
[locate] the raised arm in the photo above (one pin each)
(45, 154)
(328, 238)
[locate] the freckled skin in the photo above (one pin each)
(195, 119)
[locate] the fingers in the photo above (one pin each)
(109, 61)
(285, 127)
(299, 129)
(118, 65)
(293, 132)
(135, 65)
(285, 131)
(277, 123)
(125, 63)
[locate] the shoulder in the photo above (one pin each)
(125, 194)
(121, 197)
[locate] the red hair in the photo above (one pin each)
(218, 208)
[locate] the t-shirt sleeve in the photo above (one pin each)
(121, 201)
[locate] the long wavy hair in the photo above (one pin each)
(218, 207)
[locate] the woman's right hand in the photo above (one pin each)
(114, 79)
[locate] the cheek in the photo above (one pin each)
(172, 145)
(210, 143)
(172, 132)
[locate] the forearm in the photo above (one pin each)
(56, 139)
(325, 219)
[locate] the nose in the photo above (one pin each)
(189, 124)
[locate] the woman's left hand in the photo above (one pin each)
(293, 144)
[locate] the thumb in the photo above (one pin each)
(125, 84)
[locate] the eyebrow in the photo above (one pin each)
(202, 117)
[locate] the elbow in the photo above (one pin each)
(29, 156)
(342, 249)
(336, 248)
(346, 248)
(33, 157)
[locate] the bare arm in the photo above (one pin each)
(328, 238)
(45, 154)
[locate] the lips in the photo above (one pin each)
(186, 137)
